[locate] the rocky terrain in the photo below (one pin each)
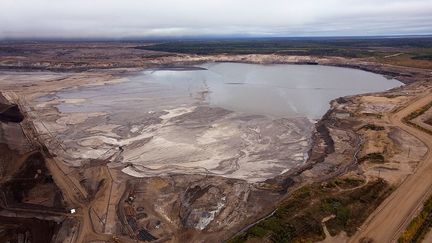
(355, 139)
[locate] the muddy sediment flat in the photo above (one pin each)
(242, 121)
(166, 121)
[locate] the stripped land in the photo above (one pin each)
(362, 162)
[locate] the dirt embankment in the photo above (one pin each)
(80, 57)
(384, 225)
(189, 207)
(31, 205)
(356, 139)
(9, 112)
(199, 207)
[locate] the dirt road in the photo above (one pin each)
(74, 193)
(388, 221)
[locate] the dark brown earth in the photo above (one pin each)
(429, 121)
(9, 112)
(33, 186)
(117, 206)
(25, 186)
(31, 230)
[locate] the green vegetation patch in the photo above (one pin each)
(372, 127)
(418, 112)
(348, 183)
(298, 219)
(410, 52)
(422, 57)
(343, 183)
(419, 226)
(373, 157)
(298, 47)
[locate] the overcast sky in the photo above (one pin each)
(189, 18)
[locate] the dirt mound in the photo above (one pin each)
(9, 112)
(32, 186)
(429, 121)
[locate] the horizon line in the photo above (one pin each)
(207, 37)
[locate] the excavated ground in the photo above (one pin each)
(26, 186)
(179, 207)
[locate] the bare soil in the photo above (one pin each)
(114, 206)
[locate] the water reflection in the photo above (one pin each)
(275, 90)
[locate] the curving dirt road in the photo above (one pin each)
(388, 221)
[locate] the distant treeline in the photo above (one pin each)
(423, 57)
(348, 47)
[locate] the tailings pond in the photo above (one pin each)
(275, 90)
(236, 120)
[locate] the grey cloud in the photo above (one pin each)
(170, 18)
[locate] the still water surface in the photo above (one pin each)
(275, 90)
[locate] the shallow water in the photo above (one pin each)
(183, 140)
(275, 90)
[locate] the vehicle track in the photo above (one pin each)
(74, 193)
(388, 221)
